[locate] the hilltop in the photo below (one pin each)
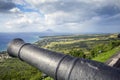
(99, 47)
(86, 46)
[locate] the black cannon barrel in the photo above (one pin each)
(61, 66)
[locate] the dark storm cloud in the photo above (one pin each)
(108, 10)
(5, 6)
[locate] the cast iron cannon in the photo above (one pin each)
(61, 66)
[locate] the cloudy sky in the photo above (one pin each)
(74, 16)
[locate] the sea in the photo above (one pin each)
(30, 37)
(5, 38)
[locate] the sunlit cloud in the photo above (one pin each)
(60, 15)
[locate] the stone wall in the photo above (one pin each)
(114, 61)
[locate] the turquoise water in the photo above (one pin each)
(5, 38)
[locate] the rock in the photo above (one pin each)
(4, 56)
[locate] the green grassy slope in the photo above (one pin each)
(14, 69)
(75, 45)
(91, 45)
(103, 57)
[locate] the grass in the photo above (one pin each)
(14, 69)
(103, 57)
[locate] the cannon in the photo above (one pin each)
(61, 66)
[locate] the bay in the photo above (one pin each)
(5, 38)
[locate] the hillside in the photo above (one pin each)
(99, 47)
(106, 55)
(86, 46)
(14, 69)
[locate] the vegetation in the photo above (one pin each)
(85, 46)
(99, 47)
(118, 35)
(106, 55)
(14, 69)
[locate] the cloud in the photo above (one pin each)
(6, 5)
(24, 20)
(110, 10)
(15, 10)
(64, 15)
(86, 15)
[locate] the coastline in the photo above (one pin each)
(4, 48)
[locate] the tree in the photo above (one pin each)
(114, 44)
(77, 53)
(118, 35)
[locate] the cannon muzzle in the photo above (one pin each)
(61, 66)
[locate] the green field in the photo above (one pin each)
(90, 46)
(106, 55)
(99, 47)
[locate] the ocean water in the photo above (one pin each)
(5, 38)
